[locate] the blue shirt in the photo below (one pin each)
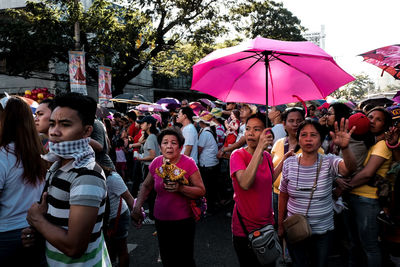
(16, 196)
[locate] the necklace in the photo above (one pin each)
(297, 180)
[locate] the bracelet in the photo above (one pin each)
(392, 147)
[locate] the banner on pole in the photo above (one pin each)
(104, 85)
(77, 72)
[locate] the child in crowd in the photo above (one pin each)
(120, 162)
(232, 125)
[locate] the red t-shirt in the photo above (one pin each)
(254, 204)
(136, 140)
(133, 130)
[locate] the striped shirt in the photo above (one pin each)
(69, 186)
(297, 182)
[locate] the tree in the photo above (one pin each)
(266, 19)
(249, 19)
(125, 37)
(357, 89)
(166, 35)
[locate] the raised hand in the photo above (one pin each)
(341, 136)
(266, 139)
(392, 136)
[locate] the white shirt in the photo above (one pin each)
(242, 129)
(279, 131)
(208, 156)
(115, 188)
(190, 134)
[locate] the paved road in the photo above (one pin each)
(213, 245)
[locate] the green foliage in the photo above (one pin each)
(167, 35)
(266, 19)
(357, 89)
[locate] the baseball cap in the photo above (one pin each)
(394, 111)
(361, 122)
(148, 119)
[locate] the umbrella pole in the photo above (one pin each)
(266, 60)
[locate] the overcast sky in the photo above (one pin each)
(352, 27)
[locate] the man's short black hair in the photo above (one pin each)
(188, 112)
(132, 115)
(50, 103)
(84, 105)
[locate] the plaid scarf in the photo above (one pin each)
(79, 150)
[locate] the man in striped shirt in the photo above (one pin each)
(70, 215)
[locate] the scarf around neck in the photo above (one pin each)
(79, 150)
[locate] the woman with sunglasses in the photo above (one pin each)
(306, 188)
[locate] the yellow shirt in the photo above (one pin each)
(379, 149)
(277, 154)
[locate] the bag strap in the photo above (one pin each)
(315, 183)
(241, 222)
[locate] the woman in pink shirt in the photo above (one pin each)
(173, 215)
(251, 171)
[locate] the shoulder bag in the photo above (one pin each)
(296, 226)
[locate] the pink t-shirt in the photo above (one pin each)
(171, 206)
(254, 204)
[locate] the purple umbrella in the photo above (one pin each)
(207, 102)
(169, 102)
(152, 108)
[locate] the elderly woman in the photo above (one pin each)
(307, 172)
(251, 172)
(172, 211)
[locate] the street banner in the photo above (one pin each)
(104, 85)
(77, 72)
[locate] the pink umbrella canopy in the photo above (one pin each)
(387, 58)
(196, 107)
(294, 70)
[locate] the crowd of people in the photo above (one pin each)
(336, 164)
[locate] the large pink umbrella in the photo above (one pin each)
(295, 70)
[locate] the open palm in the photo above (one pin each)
(341, 136)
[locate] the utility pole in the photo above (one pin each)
(77, 31)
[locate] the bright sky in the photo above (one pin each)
(351, 27)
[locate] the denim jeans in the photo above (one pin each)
(313, 251)
(245, 253)
(362, 228)
(13, 254)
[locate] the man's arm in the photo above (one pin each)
(72, 242)
(188, 150)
